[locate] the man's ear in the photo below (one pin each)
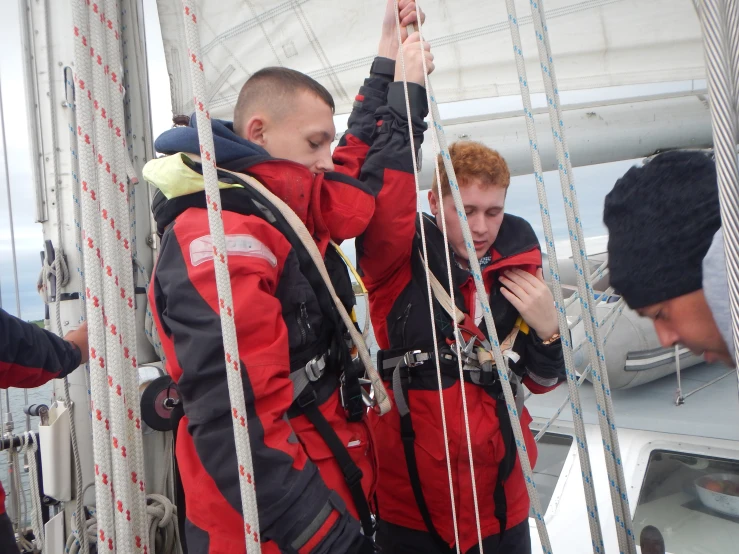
(254, 130)
(433, 203)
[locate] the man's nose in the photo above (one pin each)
(477, 224)
(325, 163)
(666, 335)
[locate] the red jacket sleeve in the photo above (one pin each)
(348, 197)
(293, 500)
(384, 250)
(31, 356)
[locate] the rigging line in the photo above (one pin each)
(6, 163)
(596, 532)
(105, 535)
(428, 287)
(724, 123)
(223, 285)
(588, 371)
(606, 417)
(500, 363)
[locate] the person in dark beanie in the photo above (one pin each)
(662, 219)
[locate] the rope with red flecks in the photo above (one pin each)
(223, 283)
(111, 28)
(93, 280)
(109, 289)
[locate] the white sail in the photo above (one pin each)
(596, 43)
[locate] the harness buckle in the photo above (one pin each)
(352, 397)
(412, 358)
(315, 368)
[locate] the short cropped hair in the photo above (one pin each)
(473, 160)
(275, 85)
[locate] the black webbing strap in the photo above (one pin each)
(408, 436)
(177, 414)
(507, 463)
(352, 473)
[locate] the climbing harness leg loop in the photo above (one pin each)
(349, 469)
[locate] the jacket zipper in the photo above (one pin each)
(303, 322)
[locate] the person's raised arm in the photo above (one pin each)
(353, 146)
(385, 247)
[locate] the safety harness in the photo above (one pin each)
(334, 355)
(400, 365)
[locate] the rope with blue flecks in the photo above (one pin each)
(500, 363)
(574, 396)
(618, 489)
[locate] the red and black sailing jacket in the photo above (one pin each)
(415, 493)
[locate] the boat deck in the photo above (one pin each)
(712, 412)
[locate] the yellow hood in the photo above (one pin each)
(174, 177)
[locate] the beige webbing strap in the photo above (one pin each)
(442, 296)
(381, 396)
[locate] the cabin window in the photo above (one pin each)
(553, 451)
(693, 500)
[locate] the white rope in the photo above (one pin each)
(223, 284)
(22, 514)
(29, 449)
(583, 376)
(591, 503)
(500, 364)
(135, 477)
(164, 534)
(732, 11)
(618, 489)
(430, 295)
(721, 91)
(74, 546)
(105, 535)
(117, 330)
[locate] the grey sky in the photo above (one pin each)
(593, 181)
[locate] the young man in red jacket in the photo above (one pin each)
(29, 357)
(413, 493)
(314, 456)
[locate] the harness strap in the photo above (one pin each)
(352, 474)
(408, 436)
(400, 380)
(178, 413)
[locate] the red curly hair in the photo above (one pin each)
(473, 160)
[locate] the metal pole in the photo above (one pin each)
(10, 205)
